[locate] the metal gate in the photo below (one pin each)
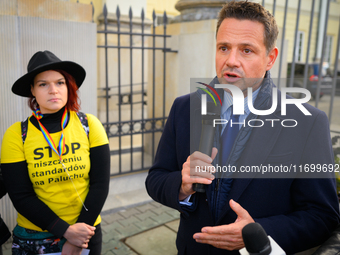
(126, 94)
(321, 81)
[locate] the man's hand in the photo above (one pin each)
(79, 234)
(190, 175)
(228, 237)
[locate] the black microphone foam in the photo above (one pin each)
(256, 240)
(207, 135)
(208, 129)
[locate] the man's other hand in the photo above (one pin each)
(228, 237)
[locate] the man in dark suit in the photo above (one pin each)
(298, 213)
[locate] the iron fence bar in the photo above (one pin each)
(263, 2)
(317, 33)
(123, 94)
(138, 133)
(165, 20)
(282, 43)
(131, 81)
(305, 75)
(119, 92)
(318, 88)
(93, 12)
(274, 6)
(127, 33)
(116, 86)
(135, 171)
(137, 48)
(136, 149)
(143, 130)
(292, 71)
(142, 66)
(135, 121)
(106, 70)
(153, 79)
(134, 102)
(336, 61)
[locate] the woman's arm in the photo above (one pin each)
(25, 201)
(99, 184)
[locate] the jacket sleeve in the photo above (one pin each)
(165, 178)
(2, 186)
(315, 202)
(99, 173)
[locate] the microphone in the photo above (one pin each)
(257, 242)
(207, 136)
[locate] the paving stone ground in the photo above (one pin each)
(145, 229)
(141, 230)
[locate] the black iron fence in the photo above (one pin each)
(319, 78)
(128, 104)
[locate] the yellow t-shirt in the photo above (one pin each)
(51, 183)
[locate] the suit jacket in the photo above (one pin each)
(298, 213)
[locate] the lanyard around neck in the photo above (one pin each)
(61, 148)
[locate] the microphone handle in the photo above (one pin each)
(206, 145)
(199, 187)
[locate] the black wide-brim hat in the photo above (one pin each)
(44, 61)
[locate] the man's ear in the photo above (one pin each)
(272, 58)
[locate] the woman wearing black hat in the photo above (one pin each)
(56, 164)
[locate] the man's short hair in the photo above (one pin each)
(244, 10)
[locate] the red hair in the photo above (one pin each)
(72, 94)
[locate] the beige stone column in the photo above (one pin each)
(192, 10)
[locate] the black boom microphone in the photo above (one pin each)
(207, 136)
(257, 242)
